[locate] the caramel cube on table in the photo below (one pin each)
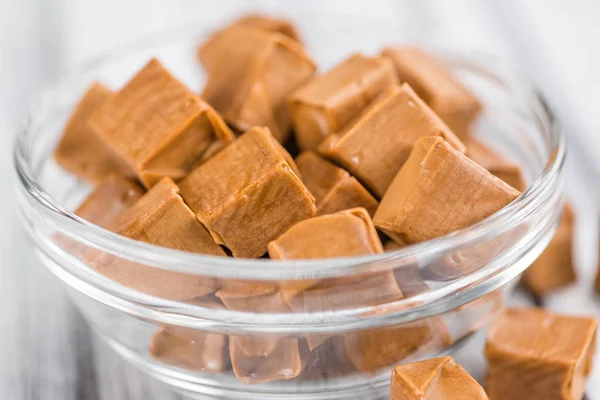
(495, 164)
(434, 379)
(248, 194)
(109, 199)
(333, 187)
(160, 217)
(555, 267)
(534, 354)
(158, 127)
(80, 150)
(435, 84)
(438, 191)
(257, 70)
(328, 102)
(379, 141)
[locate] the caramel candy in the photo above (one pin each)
(370, 351)
(434, 379)
(109, 199)
(347, 233)
(534, 354)
(428, 197)
(554, 268)
(102, 206)
(159, 127)
(256, 72)
(333, 188)
(434, 83)
(191, 349)
(409, 279)
(496, 165)
(342, 293)
(326, 103)
(210, 51)
(259, 358)
(248, 194)
(375, 146)
(80, 151)
(160, 217)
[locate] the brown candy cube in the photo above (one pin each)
(160, 217)
(498, 166)
(555, 267)
(109, 199)
(434, 379)
(327, 103)
(427, 197)
(347, 233)
(372, 350)
(80, 150)
(260, 358)
(256, 72)
(102, 206)
(534, 354)
(333, 188)
(191, 349)
(344, 234)
(210, 51)
(379, 141)
(434, 83)
(159, 127)
(248, 194)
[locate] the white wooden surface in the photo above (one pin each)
(46, 349)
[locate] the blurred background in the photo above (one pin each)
(45, 350)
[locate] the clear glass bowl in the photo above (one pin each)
(338, 342)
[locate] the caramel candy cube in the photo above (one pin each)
(109, 199)
(257, 70)
(80, 150)
(333, 188)
(260, 358)
(377, 144)
(191, 349)
(159, 127)
(160, 217)
(372, 350)
(534, 354)
(248, 194)
(434, 83)
(210, 51)
(347, 233)
(328, 102)
(434, 379)
(427, 198)
(554, 268)
(498, 166)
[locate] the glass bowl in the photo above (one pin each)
(267, 338)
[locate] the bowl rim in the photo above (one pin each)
(260, 269)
